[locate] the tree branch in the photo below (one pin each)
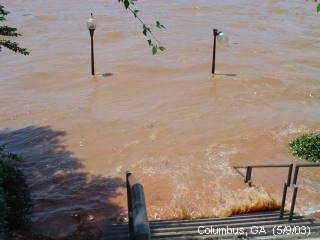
(152, 40)
(14, 47)
(9, 32)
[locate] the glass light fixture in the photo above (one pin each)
(223, 38)
(92, 23)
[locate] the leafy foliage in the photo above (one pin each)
(307, 146)
(6, 32)
(151, 39)
(15, 200)
(318, 8)
(3, 210)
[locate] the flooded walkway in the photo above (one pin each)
(163, 117)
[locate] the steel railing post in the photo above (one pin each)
(289, 175)
(248, 175)
(285, 190)
(284, 196)
(295, 176)
(293, 202)
(129, 200)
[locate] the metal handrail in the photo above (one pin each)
(249, 168)
(295, 186)
(139, 228)
(287, 183)
(265, 165)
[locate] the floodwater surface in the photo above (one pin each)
(162, 117)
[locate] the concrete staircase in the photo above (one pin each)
(260, 225)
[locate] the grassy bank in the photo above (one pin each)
(306, 146)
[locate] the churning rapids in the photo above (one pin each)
(163, 117)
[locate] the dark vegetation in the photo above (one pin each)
(15, 201)
(7, 33)
(306, 146)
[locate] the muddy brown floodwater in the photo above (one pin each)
(162, 117)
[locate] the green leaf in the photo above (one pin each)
(145, 30)
(149, 42)
(135, 13)
(154, 50)
(318, 8)
(159, 25)
(162, 48)
(126, 3)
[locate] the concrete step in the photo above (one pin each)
(188, 229)
(266, 233)
(231, 225)
(233, 221)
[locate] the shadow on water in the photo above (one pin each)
(226, 74)
(64, 197)
(107, 74)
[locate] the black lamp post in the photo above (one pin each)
(92, 24)
(215, 34)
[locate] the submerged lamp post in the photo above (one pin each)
(216, 33)
(92, 24)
